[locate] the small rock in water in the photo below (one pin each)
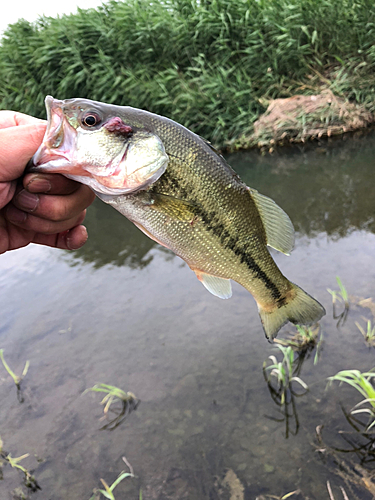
(234, 485)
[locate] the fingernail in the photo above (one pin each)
(15, 215)
(73, 245)
(27, 201)
(38, 185)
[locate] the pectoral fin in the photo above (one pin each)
(220, 287)
(175, 208)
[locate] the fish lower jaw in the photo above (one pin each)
(60, 164)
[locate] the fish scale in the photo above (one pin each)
(200, 242)
(230, 221)
(179, 191)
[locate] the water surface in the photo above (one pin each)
(125, 312)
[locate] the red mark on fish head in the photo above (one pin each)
(117, 125)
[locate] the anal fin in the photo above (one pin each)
(220, 287)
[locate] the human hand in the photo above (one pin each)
(40, 208)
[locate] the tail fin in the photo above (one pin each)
(301, 309)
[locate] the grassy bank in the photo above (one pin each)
(212, 65)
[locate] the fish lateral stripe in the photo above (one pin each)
(211, 223)
(233, 244)
(210, 219)
(259, 273)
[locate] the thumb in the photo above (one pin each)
(17, 146)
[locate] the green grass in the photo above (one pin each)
(211, 65)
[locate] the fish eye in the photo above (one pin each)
(91, 119)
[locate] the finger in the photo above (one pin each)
(4, 239)
(49, 183)
(54, 207)
(68, 240)
(17, 147)
(31, 222)
(15, 119)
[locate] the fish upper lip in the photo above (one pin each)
(56, 135)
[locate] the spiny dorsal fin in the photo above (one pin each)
(220, 287)
(279, 228)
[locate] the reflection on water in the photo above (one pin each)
(113, 240)
(327, 189)
(124, 312)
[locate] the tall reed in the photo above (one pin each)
(210, 64)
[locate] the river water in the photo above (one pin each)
(124, 311)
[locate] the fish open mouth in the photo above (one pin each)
(56, 149)
(108, 160)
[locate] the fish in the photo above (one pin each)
(180, 191)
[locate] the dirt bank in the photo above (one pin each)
(301, 118)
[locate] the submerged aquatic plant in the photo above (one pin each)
(363, 382)
(303, 341)
(304, 337)
(341, 296)
(17, 379)
(29, 479)
(108, 490)
(369, 333)
(344, 461)
(128, 402)
(284, 374)
(284, 497)
(345, 496)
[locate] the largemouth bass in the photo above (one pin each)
(182, 193)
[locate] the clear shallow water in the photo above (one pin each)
(125, 312)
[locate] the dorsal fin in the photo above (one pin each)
(279, 228)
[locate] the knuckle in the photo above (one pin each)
(55, 209)
(58, 214)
